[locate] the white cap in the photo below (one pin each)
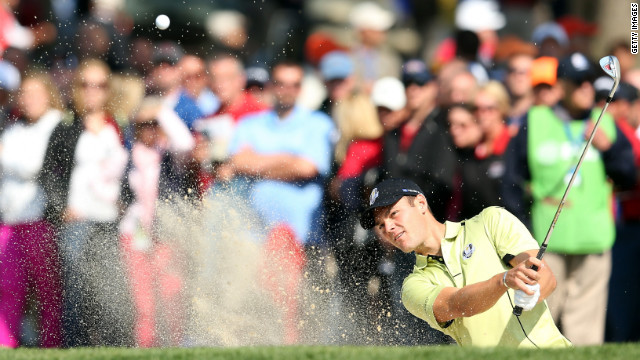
(476, 15)
(369, 15)
(223, 23)
(389, 92)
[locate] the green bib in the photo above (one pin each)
(586, 223)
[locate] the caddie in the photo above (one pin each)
(468, 275)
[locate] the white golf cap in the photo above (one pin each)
(476, 15)
(389, 92)
(369, 15)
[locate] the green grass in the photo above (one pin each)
(608, 351)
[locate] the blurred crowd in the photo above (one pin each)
(103, 126)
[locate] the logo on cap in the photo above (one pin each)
(373, 196)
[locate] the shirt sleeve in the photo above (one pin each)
(508, 234)
(419, 292)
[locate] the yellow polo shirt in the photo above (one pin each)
(472, 251)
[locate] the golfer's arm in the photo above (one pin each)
(477, 298)
(470, 300)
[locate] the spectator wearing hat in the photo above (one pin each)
(551, 40)
(544, 81)
(579, 31)
(480, 17)
(373, 58)
(542, 158)
(352, 111)
(258, 84)
(169, 79)
(621, 325)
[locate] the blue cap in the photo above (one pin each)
(336, 65)
(415, 72)
(550, 30)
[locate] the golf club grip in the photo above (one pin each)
(517, 311)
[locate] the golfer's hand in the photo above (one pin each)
(526, 301)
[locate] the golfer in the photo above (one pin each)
(468, 275)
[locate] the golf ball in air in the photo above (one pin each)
(162, 22)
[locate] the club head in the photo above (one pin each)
(611, 66)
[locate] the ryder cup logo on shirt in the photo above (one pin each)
(373, 196)
(468, 251)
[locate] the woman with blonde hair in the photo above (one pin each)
(28, 249)
(84, 165)
(481, 173)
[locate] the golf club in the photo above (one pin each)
(611, 66)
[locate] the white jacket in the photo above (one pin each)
(22, 152)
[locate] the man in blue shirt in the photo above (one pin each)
(285, 153)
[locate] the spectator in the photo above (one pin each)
(84, 162)
(373, 58)
(9, 83)
(228, 81)
(544, 80)
(518, 82)
(155, 176)
(28, 250)
(551, 40)
(286, 154)
(542, 157)
(621, 323)
(352, 110)
(13, 34)
(481, 174)
(258, 85)
(579, 31)
(466, 134)
(195, 85)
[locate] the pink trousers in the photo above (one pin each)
(284, 263)
(156, 285)
(29, 260)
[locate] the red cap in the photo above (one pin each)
(574, 25)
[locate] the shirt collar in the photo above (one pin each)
(452, 229)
